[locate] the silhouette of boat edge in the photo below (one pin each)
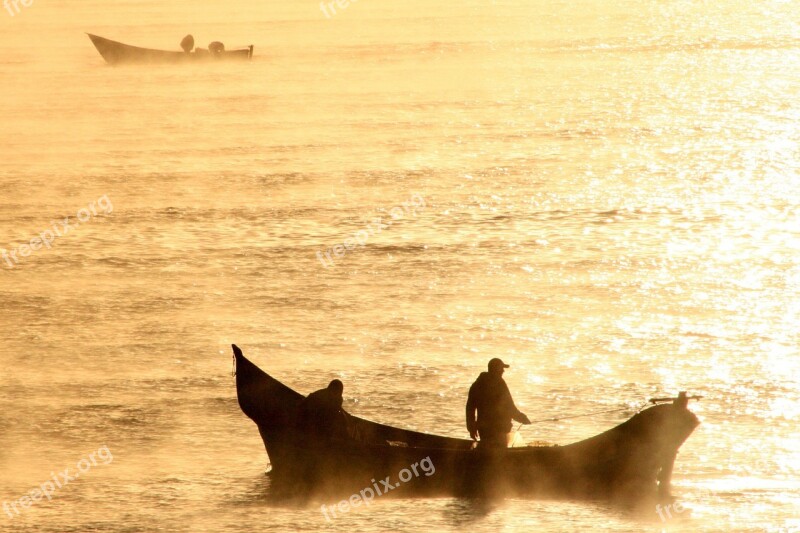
(629, 463)
(116, 53)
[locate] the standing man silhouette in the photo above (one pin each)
(490, 398)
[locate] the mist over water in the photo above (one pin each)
(611, 204)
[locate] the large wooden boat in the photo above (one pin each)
(627, 463)
(116, 53)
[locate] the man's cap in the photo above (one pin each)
(497, 363)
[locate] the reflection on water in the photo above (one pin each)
(611, 206)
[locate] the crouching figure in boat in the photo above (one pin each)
(320, 415)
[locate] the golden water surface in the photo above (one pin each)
(604, 194)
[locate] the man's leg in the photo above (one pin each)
(493, 439)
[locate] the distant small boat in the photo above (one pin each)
(116, 53)
(630, 462)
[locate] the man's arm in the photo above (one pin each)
(516, 414)
(521, 417)
(472, 423)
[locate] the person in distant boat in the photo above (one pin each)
(187, 44)
(320, 414)
(490, 398)
(216, 48)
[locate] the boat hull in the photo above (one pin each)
(630, 462)
(116, 53)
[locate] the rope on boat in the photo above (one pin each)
(558, 418)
